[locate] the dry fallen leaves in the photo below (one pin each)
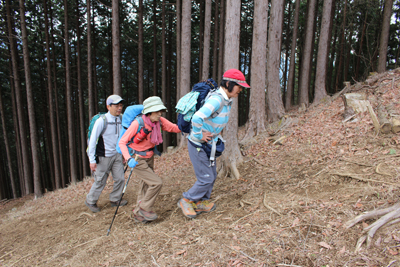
(325, 245)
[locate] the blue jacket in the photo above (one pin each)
(203, 119)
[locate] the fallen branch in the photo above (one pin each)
(354, 176)
(358, 163)
(244, 217)
(22, 258)
(154, 261)
(255, 260)
(379, 223)
(379, 172)
(268, 207)
(65, 251)
(6, 254)
(370, 215)
(259, 162)
(391, 214)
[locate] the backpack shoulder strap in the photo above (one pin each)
(103, 116)
(140, 121)
(223, 102)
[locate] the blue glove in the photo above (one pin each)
(132, 163)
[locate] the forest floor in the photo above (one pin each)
(288, 208)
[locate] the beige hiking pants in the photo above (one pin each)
(149, 184)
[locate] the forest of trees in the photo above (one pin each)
(61, 59)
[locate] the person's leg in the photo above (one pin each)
(203, 186)
(142, 185)
(149, 196)
(205, 175)
(100, 179)
(207, 195)
(117, 171)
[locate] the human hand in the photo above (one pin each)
(93, 166)
(132, 163)
(206, 136)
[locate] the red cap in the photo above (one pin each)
(236, 76)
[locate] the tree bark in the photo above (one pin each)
(178, 47)
(60, 142)
(207, 38)
(290, 87)
(19, 170)
(116, 49)
(256, 122)
(54, 137)
(7, 145)
(341, 52)
(323, 50)
(90, 61)
(17, 86)
(164, 71)
(274, 97)
(232, 155)
(82, 117)
(37, 185)
(140, 54)
(221, 40)
(185, 53)
(155, 69)
(383, 43)
(70, 112)
(215, 44)
(201, 39)
(306, 66)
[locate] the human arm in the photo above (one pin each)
(126, 138)
(96, 131)
(168, 126)
(204, 113)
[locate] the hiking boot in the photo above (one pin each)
(140, 219)
(187, 207)
(204, 206)
(92, 207)
(147, 215)
(115, 203)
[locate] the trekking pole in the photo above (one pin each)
(119, 202)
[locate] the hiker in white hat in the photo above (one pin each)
(143, 145)
(205, 143)
(103, 156)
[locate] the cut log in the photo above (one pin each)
(374, 118)
(385, 125)
(348, 110)
(358, 101)
(395, 125)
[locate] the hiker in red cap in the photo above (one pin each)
(205, 142)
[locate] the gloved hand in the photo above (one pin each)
(132, 163)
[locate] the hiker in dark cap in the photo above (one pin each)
(103, 156)
(205, 142)
(142, 143)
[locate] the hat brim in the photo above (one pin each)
(116, 103)
(244, 85)
(154, 108)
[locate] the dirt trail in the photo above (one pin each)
(287, 209)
